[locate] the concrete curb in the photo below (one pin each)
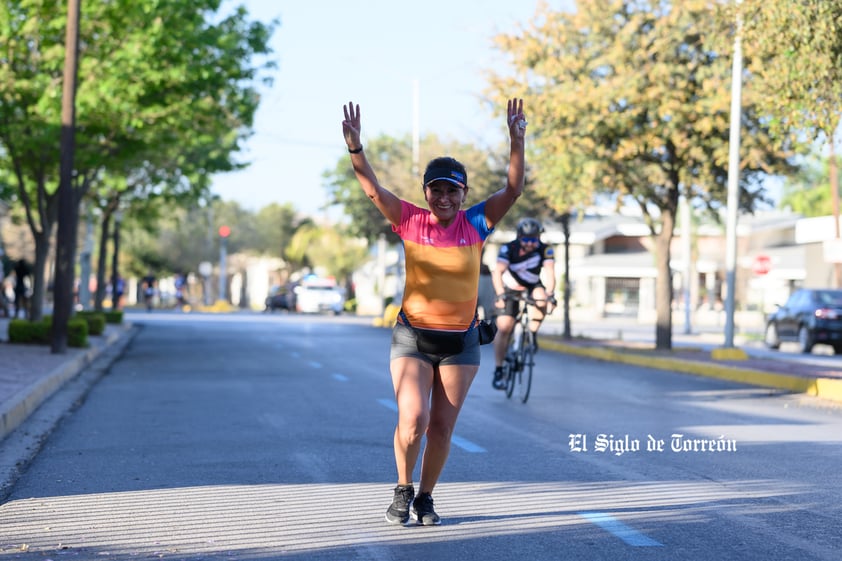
(825, 388)
(20, 406)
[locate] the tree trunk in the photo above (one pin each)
(39, 279)
(663, 284)
(68, 221)
(101, 262)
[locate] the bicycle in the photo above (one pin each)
(520, 355)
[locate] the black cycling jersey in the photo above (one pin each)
(525, 269)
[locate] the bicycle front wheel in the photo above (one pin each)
(509, 374)
(511, 367)
(525, 374)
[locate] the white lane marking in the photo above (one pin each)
(466, 445)
(388, 404)
(462, 443)
(626, 533)
(314, 364)
(340, 377)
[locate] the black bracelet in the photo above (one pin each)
(357, 151)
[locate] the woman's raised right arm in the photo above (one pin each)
(386, 201)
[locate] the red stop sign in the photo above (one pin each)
(762, 264)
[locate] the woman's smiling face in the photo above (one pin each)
(444, 199)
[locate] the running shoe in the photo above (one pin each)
(499, 383)
(422, 510)
(398, 511)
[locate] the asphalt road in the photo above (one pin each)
(270, 437)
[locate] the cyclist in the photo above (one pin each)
(519, 266)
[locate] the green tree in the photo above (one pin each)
(800, 69)
(631, 99)
(808, 191)
(276, 224)
(329, 248)
(142, 86)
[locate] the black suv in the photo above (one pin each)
(280, 299)
(810, 316)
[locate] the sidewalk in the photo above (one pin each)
(30, 374)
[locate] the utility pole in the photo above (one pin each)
(687, 271)
(68, 209)
(224, 232)
(565, 227)
(834, 200)
(733, 199)
(416, 131)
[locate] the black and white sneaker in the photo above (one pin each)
(498, 382)
(422, 510)
(398, 511)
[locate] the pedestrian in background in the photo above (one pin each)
(435, 351)
(22, 288)
(6, 268)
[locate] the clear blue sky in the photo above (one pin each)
(368, 51)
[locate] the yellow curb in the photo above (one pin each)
(826, 388)
(731, 353)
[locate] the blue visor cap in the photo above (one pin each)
(445, 174)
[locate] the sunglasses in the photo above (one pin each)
(529, 240)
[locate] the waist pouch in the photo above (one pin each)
(487, 331)
(431, 341)
(436, 342)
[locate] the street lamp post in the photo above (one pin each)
(733, 199)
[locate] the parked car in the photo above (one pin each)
(279, 299)
(315, 296)
(809, 316)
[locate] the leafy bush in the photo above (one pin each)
(77, 333)
(29, 332)
(114, 316)
(96, 321)
(24, 331)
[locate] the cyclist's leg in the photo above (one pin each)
(537, 313)
(505, 323)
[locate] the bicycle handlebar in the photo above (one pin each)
(524, 297)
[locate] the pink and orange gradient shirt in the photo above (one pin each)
(442, 266)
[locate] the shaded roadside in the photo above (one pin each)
(789, 375)
(30, 374)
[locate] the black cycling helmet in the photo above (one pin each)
(529, 228)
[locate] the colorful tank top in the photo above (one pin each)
(442, 266)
